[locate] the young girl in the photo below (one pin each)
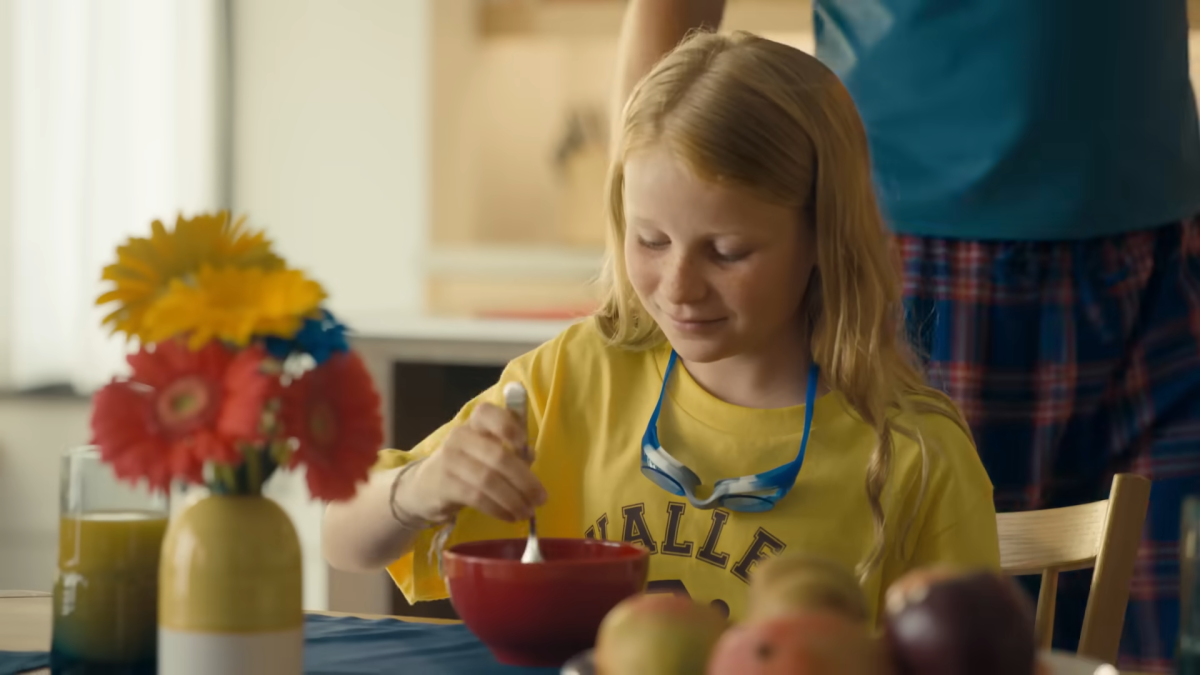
(744, 390)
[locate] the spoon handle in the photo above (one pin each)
(515, 400)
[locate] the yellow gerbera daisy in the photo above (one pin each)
(146, 266)
(233, 305)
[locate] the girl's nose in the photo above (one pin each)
(683, 281)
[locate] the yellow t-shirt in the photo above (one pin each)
(589, 404)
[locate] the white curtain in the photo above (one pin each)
(118, 119)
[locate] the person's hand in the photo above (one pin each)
(478, 465)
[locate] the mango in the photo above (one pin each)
(801, 581)
(657, 634)
(805, 642)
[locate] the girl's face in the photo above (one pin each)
(720, 271)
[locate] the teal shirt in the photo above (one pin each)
(1021, 119)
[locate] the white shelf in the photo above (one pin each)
(515, 262)
(602, 18)
(386, 325)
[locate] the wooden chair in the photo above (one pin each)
(1103, 535)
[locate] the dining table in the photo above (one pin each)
(26, 623)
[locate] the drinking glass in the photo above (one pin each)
(1188, 657)
(106, 588)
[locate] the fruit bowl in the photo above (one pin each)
(541, 614)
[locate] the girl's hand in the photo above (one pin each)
(476, 467)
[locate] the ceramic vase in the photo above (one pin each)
(230, 590)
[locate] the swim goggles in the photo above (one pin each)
(755, 493)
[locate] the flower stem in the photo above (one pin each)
(227, 476)
(254, 470)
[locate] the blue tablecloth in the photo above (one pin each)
(352, 646)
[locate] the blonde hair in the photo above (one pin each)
(754, 113)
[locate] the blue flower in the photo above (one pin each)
(320, 338)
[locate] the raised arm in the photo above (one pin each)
(652, 28)
(468, 463)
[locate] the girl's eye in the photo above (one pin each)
(652, 245)
(730, 256)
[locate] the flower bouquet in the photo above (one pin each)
(239, 370)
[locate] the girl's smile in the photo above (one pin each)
(697, 325)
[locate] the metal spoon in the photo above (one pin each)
(514, 400)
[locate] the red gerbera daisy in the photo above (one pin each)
(180, 409)
(333, 412)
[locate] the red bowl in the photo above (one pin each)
(541, 614)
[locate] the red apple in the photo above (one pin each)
(974, 623)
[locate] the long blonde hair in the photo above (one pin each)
(765, 117)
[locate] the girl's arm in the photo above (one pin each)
(652, 28)
(363, 535)
(473, 467)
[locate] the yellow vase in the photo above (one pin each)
(230, 590)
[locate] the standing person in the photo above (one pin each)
(747, 344)
(1039, 161)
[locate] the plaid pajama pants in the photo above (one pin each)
(1073, 361)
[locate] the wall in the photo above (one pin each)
(33, 434)
(330, 123)
(7, 48)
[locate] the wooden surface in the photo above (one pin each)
(1103, 535)
(1104, 618)
(25, 621)
(1064, 539)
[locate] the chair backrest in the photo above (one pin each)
(1103, 535)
